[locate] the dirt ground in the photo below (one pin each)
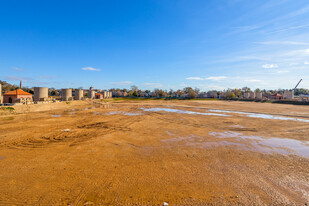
(136, 153)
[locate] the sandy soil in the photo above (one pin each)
(128, 153)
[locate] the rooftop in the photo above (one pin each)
(17, 92)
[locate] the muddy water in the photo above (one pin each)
(261, 116)
(267, 145)
(180, 111)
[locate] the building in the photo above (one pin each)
(212, 95)
(258, 95)
(16, 95)
(40, 94)
(246, 95)
(288, 95)
(98, 96)
(66, 95)
(276, 96)
(252, 95)
(78, 94)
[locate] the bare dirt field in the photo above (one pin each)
(155, 151)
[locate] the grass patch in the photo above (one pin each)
(7, 108)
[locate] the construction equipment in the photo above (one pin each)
(297, 84)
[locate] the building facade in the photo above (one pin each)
(15, 96)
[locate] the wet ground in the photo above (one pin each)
(150, 152)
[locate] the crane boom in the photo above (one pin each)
(297, 84)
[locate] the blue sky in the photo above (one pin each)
(210, 44)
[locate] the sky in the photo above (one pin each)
(167, 44)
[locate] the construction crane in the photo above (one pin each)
(297, 84)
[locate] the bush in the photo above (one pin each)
(8, 108)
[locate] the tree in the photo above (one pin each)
(245, 89)
(230, 95)
(160, 93)
(196, 90)
(237, 92)
(134, 88)
(187, 89)
(192, 94)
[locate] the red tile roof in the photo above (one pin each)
(17, 92)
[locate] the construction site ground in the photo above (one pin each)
(149, 152)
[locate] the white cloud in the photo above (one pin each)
(47, 77)
(252, 80)
(306, 63)
(240, 29)
(293, 64)
(215, 87)
(122, 83)
(282, 43)
(218, 78)
(90, 69)
(40, 83)
(282, 71)
(270, 66)
(17, 78)
(17, 69)
(153, 85)
(290, 28)
(195, 78)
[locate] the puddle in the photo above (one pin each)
(56, 115)
(181, 111)
(179, 139)
(236, 126)
(227, 111)
(123, 113)
(131, 114)
(208, 145)
(268, 116)
(268, 145)
(261, 116)
(169, 133)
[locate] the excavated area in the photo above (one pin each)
(155, 151)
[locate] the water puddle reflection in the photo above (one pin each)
(261, 116)
(244, 142)
(123, 113)
(268, 145)
(236, 126)
(181, 111)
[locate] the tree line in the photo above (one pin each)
(187, 92)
